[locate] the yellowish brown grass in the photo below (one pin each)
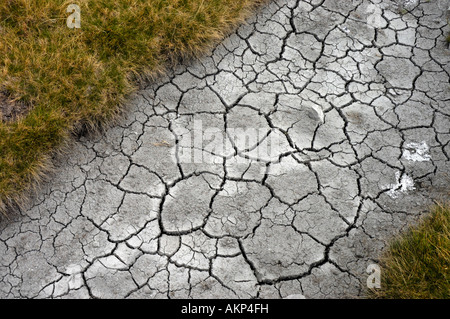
(417, 264)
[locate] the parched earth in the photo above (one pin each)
(279, 165)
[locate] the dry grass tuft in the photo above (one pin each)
(417, 264)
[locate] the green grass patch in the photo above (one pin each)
(73, 78)
(417, 265)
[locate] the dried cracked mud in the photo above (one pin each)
(278, 165)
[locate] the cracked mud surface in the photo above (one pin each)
(278, 165)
